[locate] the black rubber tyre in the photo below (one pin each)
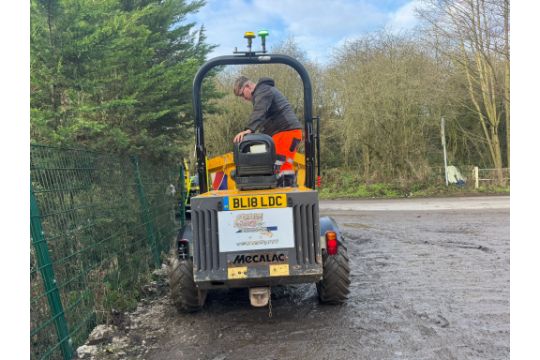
(184, 294)
(334, 286)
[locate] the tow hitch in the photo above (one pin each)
(259, 296)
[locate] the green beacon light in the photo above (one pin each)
(263, 34)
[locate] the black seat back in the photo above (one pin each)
(255, 158)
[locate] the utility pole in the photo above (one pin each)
(443, 139)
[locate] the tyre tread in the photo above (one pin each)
(334, 286)
(184, 293)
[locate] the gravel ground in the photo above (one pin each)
(429, 281)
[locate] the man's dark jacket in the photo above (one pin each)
(272, 113)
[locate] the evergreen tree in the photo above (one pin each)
(114, 74)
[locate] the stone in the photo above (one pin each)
(86, 351)
(101, 333)
(160, 273)
(120, 341)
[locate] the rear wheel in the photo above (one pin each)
(334, 286)
(186, 296)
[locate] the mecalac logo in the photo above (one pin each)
(260, 258)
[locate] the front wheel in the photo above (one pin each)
(334, 286)
(186, 296)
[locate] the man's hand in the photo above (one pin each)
(240, 136)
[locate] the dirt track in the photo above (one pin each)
(426, 284)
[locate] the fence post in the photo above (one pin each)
(49, 281)
(147, 219)
(443, 140)
(475, 175)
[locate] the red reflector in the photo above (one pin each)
(318, 181)
(331, 243)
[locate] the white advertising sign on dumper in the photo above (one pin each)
(258, 229)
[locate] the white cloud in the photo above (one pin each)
(226, 21)
(324, 18)
(405, 17)
(318, 25)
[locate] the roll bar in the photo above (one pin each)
(251, 58)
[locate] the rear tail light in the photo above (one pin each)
(184, 242)
(331, 243)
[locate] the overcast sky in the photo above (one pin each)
(317, 25)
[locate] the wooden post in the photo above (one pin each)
(475, 175)
(443, 139)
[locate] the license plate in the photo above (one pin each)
(245, 202)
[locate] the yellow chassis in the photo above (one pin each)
(225, 163)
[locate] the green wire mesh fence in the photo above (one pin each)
(99, 224)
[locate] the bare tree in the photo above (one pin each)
(387, 98)
(475, 35)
